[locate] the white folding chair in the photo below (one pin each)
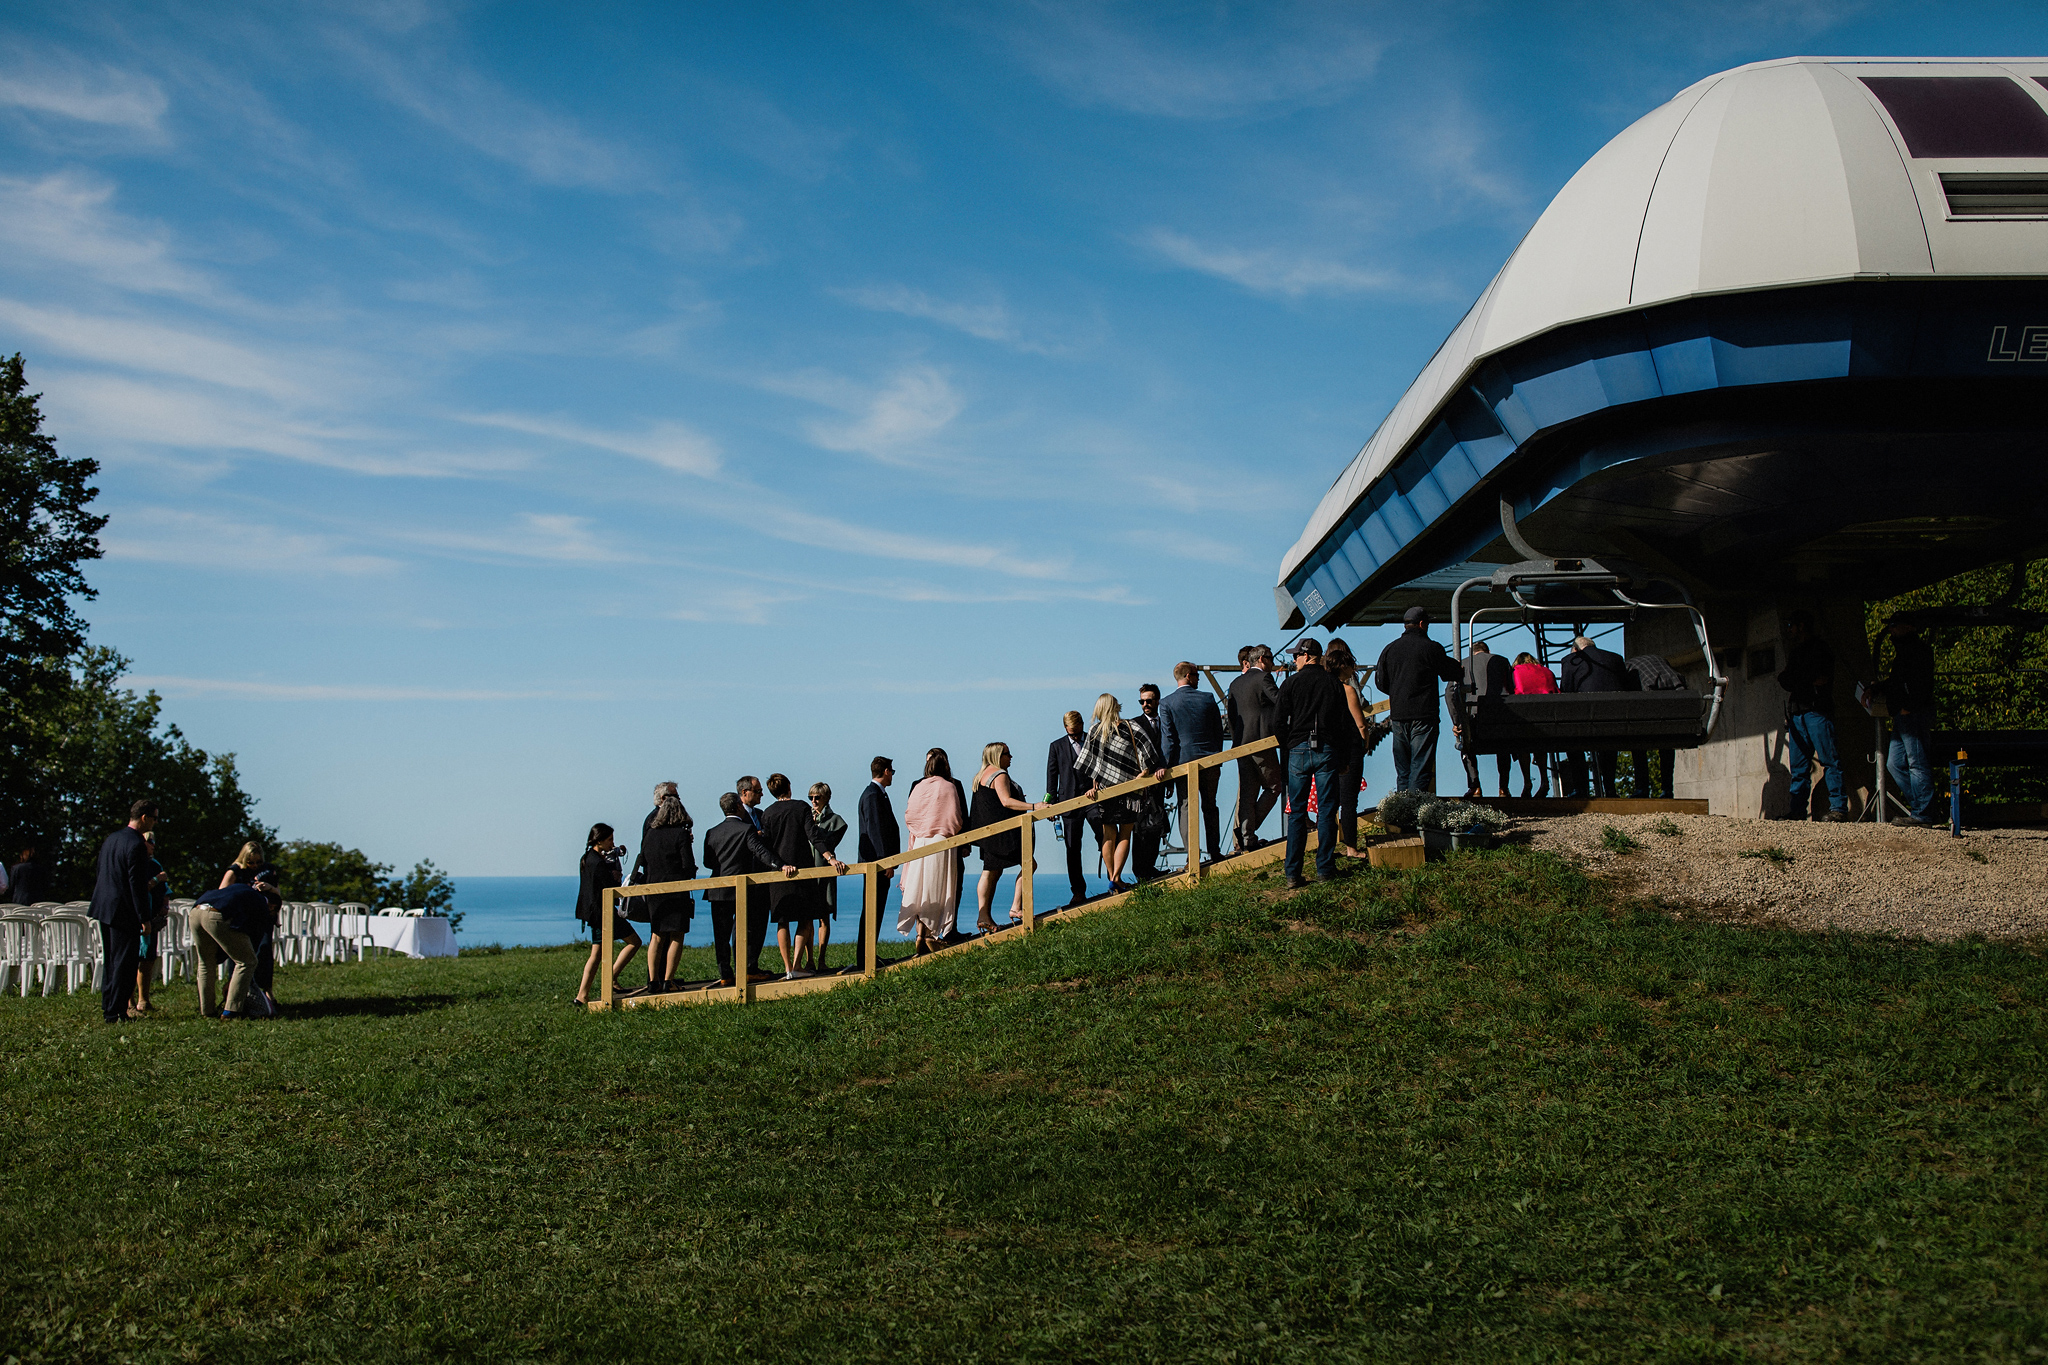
(175, 954)
(18, 948)
(67, 943)
(354, 930)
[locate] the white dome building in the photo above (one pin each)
(1745, 316)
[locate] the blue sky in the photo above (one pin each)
(503, 407)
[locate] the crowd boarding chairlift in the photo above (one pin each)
(1582, 591)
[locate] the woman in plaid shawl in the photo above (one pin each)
(1117, 752)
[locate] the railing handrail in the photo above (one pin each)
(876, 872)
(965, 837)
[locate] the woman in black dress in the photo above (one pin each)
(600, 869)
(996, 798)
(665, 856)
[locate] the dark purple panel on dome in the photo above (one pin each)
(1963, 116)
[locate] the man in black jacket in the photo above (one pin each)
(1193, 728)
(791, 830)
(1809, 682)
(121, 902)
(1653, 673)
(1409, 672)
(1486, 674)
(880, 837)
(1063, 783)
(1311, 720)
(25, 878)
(1909, 697)
(730, 850)
(1248, 710)
(1145, 847)
(1589, 668)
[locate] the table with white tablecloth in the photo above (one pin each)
(415, 936)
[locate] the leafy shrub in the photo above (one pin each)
(1618, 841)
(1775, 856)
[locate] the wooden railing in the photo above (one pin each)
(875, 874)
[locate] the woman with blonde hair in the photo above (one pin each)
(931, 886)
(242, 871)
(996, 794)
(1117, 752)
(831, 827)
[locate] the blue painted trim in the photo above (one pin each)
(1919, 328)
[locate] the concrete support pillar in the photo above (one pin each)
(1741, 770)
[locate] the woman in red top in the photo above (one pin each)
(1531, 676)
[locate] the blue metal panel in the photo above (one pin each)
(1794, 336)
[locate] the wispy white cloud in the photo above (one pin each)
(1270, 271)
(1187, 66)
(242, 689)
(670, 445)
(916, 684)
(44, 81)
(776, 518)
(741, 605)
(67, 218)
(163, 535)
(988, 318)
(890, 423)
(1183, 545)
(548, 537)
(136, 344)
(473, 109)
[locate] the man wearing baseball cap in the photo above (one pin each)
(1311, 720)
(1409, 671)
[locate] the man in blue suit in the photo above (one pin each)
(1193, 728)
(1063, 782)
(122, 903)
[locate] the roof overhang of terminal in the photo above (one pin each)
(1789, 330)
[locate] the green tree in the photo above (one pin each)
(1985, 679)
(91, 748)
(46, 528)
(315, 871)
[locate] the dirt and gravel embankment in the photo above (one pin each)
(1856, 878)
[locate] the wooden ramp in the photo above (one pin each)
(706, 994)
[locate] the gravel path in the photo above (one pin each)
(1859, 878)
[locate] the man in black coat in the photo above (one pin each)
(1487, 675)
(1145, 847)
(1409, 672)
(1063, 783)
(791, 830)
(880, 837)
(1193, 728)
(122, 903)
(1248, 710)
(1589, 668)
(732, 849)
(25, 878)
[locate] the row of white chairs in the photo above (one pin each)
(39, 943)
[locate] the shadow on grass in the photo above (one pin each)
(362, 1005)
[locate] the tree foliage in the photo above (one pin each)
(86, 747)
(46, 528)
(315, 871)
(1985, 679)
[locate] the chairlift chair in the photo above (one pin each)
(1550, 589)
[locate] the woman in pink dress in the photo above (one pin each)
(1531, 676)
(931, 886)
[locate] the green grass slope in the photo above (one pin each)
(1482, 1111)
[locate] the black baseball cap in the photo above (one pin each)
(1308, 647)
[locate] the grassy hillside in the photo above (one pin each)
(1478, 1112)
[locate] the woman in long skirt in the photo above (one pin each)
(931, 886)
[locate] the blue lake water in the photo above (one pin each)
(541, 911)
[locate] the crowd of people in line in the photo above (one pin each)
(1325, 730)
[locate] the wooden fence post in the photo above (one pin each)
(604, 948)
(1191, 805)
(1027, 867)
(871, 916)
(742, 951)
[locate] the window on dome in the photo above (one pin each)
(1944, 116)
(1996, 196)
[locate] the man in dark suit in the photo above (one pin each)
(1063, 783)
(1193, 728)
(1589, 668)
(1145, 847)
(1248, 711)
(731, 849)
(122, 903)
(25, 878)
(748, 789)
(1487, 674)
(880, 837)
(791, 830)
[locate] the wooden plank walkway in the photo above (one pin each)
(705, 994)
